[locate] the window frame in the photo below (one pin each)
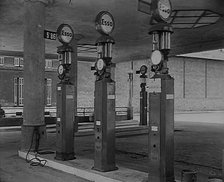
(48, 91)
(48, 63)
(18, 88)
(2, 60)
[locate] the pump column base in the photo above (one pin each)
(130, 113)
(28, 134)
(104, 125)
(65, 156)
(161, 129)
(109, 168)
(106, 170)
(143, 108)
(65, 122)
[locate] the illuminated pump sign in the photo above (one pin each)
(104, 23)
(65, 33)
(161, 10)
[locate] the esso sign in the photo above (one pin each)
(104, 23)
(162, 10)
(65, 33)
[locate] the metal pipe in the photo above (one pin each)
(155, 41)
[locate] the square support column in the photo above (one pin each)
(34, 71)
(104, 125)
(161, 129)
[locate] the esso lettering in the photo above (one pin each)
(66, 33)
(164, 8)
(106, 23)
(166, 11)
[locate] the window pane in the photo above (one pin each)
(1, 60)
(20, 91)
(21, 62)
(16, 61)
(49, 91)
(48, 63)
(15, 91)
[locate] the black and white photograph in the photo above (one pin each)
(111, 91)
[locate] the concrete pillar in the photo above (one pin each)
(34, 69)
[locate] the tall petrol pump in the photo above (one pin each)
(161, 97)
(143, 95)
(104, 101)
(130, 95)
(65, 97)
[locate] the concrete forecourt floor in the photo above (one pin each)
(198, 146)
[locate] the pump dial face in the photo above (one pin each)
(100, 64)
(143, 69)
(156, 57)
(61, 69)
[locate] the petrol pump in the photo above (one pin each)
(65, 97)
(161, 97)
(104, 101)
(130, 95)
(143, 95)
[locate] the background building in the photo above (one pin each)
(198, 83)
(11, 79)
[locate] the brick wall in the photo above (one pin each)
(199, 84)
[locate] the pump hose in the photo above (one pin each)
(35, 161)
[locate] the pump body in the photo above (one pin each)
(65, 107)
(161, 130)
(104, 125)
(104, 108)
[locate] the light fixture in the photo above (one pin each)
(184, 18)
(193, 18)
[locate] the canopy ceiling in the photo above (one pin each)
(131, 26)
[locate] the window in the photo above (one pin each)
(21, 62)
(48, 91)
(48, 63)
(18, 91)
(18, 62)
(1, 61)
